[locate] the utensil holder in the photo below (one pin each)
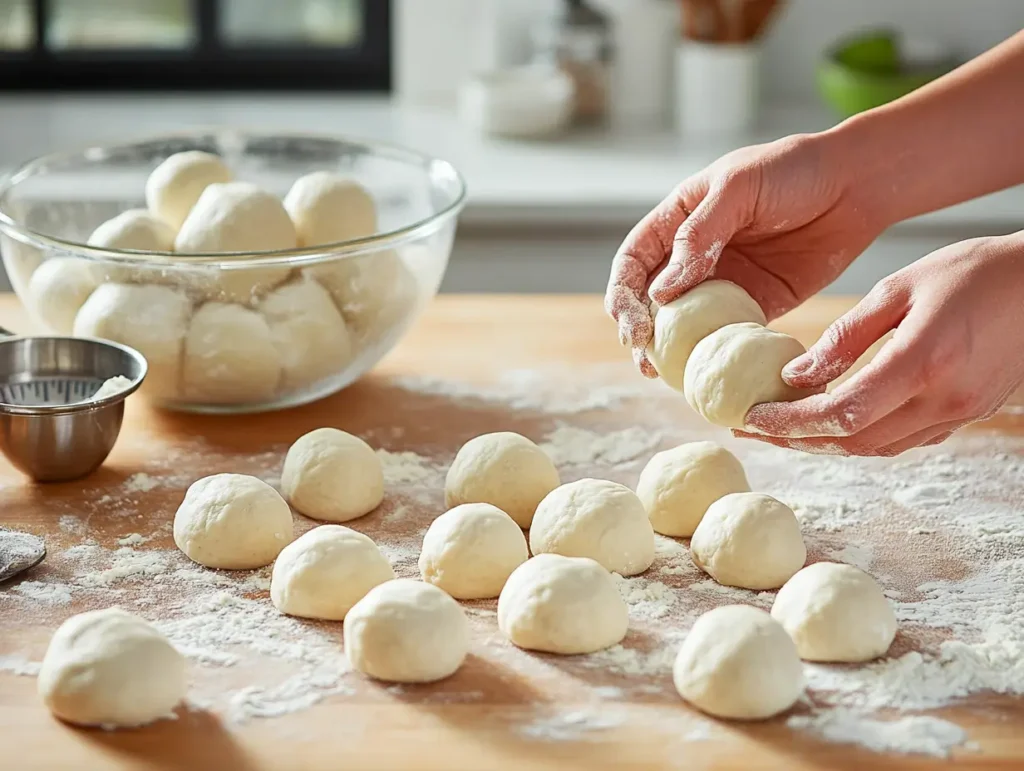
(717, 87)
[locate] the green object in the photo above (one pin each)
(867, 71)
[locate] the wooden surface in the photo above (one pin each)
(467, 338)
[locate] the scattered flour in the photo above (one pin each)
(141, 483)
(19, 665)
(917, 734)
(572, 446)
(572, 726)
(646, 598)
(407, 468)
(45, 593)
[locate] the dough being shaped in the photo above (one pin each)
(20, 262)
(835, 613)
(176, 184)
(677, 486)
(328, 208)
(308, 331)
(332, 476)
(598, 519)
(738, 663)
(406, 631)
(471, 550)
(230, 356)
(134, 230)
(326, 571)
(58, 289)
(151, 319)
(110, 668)
(737, 367)
(503, 469)
(749, 540)
(232, 521)
(684, 322)
(565, 605)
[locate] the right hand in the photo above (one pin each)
(782, 220)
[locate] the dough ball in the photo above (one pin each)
(737, 662)
(328, 208)
(677, 486)
(135, 230)
(598, 519)
(835, 613)
(471, 550)
(230, 356)
(151, 319)
(737, 367)
(232, 521)
(749, 540)
(20, 262)
(332, 476)
(406, 631)
(562, 605)
(176, 184)
(308, 331)
(110, 668)
(58, 289)
(503, 469)
(684, 322)
(326, 571)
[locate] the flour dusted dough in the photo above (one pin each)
(737, 662)
(326, 571)
(565, 605)
(333, 476)
(176, 184)
(406, 631)
(835, 613)
(749, 540)
(328, 208)
(111, 668)
(135, 230)
(58, 289)
(20, 262)
(504, 469)
(598, 519)
(737, 367)
(471, 550)
(677, 486)
(232, 521)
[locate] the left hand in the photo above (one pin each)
(956, 356)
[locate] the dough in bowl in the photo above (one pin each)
(58, 289)
(176, 184)
(135, 230)
(328, 208)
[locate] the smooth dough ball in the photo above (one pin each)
(835, 613)
(684, 322)
(230, 356)
(232, 521)
(110, 668)
(176, 184)
(326, 571)
(332, 476)
(328, 208)
(737, 662)
(58, 289)
(598, 519)
(406, 631)
(308, 331)
(737, 367)
(151, 319)
(471, 550)
(135, 230)
(20, 262)
(749, 540)
(677, 486)
(565, 605)
(503, 469)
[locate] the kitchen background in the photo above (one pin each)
(468, 80)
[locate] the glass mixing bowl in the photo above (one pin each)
(235, 332)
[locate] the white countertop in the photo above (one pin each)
(597, 177)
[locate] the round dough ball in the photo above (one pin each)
(135, 230)
(20, 262)
(677, 486)
(749, 540)
(232, 521)
(684, 322)
(308, 331)
(737, 367)
(332, 476)
(471, 550)
(176, 184)
(326, 571)
(58, 289)
(328, 208)
(110, 668)
(835, 613)
(230, 356)
(405, 631)
(737, 662)
(598, 519)
(503, 469)
(565, 605)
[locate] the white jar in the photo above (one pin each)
(717, 87)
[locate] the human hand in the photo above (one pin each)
(956, 356)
